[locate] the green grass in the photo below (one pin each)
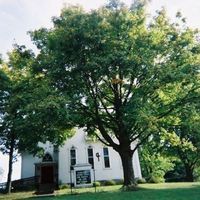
(165, 191)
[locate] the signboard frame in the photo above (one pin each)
(83, 177)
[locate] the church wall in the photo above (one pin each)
(81, 144)
(101, 173)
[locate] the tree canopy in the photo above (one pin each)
(119, 74)
(112, 71)
(183, 138)
(31, 110)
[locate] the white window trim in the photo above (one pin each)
(72, 147)
(106, 168)
(90, 147)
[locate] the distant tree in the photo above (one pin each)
(119, 74)
(155, 163)
(183, 139)
(31, 111)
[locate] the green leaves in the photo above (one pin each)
(107, 70)
(116, 70)
(32, 110)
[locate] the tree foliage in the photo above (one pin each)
(183, 139)
(31, 110)
(155, 162)
(120, 75)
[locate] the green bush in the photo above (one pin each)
(96, 184)
(64, 186)
(132, 187)
(2, 191)
(140, 180)
(197, 174)
(119, 182)
(156, 179)
(157, 176)
(19, 187)
(109, 182)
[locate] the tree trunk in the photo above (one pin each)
(127, 163)
(9, 178)
(189, 173)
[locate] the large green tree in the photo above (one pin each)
(120, 74)
(31, 111)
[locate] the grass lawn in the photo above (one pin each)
(165, 191)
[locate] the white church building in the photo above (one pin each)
(79, 161)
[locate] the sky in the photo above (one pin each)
(17, 17)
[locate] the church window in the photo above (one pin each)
(106, 157)
(47, 158)
(90, 156)
(72, 156)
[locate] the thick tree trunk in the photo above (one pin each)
(189, 173)
(9, 177)
(126, 158)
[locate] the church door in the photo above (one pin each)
(47, 174)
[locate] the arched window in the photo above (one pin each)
(90, 156)
(72, 156)
(47, 158)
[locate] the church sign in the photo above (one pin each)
(83, 177)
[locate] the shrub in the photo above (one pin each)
(18, 188)
(156, 179)
(64, 186)
(157, 176)
(140, 180)
(119, 182)
(109, 182)
(129, 188)
(2, 191)
(197, 174)
(96, 184)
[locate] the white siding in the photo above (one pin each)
(28, 161)
(27, 165)
(81, 145)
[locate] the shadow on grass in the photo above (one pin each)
(191, 192)
(171, 186)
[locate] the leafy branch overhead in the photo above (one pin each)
(119, 71)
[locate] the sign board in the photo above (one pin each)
(83, 177)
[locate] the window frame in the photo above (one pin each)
(90, 157)
(72, 158)
(47, 157)
(106, 156)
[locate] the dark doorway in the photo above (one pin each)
(47, 174)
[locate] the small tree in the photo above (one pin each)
(113, 69)
(183, 139)
(155, 163)
(31, 111)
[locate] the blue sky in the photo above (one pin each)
(19, 16)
